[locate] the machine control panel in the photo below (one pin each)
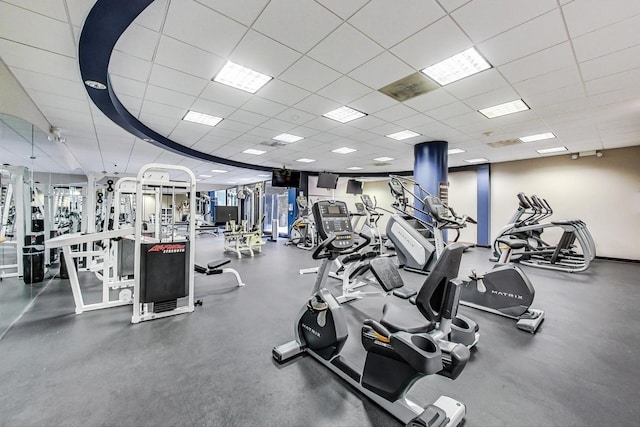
(332, 221)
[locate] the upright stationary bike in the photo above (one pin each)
(394, 361)
(503, 290)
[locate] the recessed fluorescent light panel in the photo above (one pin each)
(242, 78)
(304, 160)
(286, 137)
(405, 134)
(504, 109)
(344, 150)
(457, 67)
(203, 119)
(478, 160)
(456, 151)
(552, 150)
(344, 114)
(355, 168)
(538, 137)
(218, 171)
(252, 151)
(384, 159)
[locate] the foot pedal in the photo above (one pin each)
(530, 321)
(404, 292)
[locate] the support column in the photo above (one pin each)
(430, 166)
(484, 205)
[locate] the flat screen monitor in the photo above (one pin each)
(327, 180)
(285, 178)
(354, 187)
(223, 214)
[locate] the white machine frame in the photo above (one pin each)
(157, 177)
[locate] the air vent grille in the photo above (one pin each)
(273, 143)
(504, 143)
(409, 87)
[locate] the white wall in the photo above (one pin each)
(604, 192)
(463, 192)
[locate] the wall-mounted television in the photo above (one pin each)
(285, 178)
(354, 187)
(327, 180)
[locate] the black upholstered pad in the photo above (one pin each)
(406, 318)
(218, 263)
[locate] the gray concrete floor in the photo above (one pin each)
(214, 366)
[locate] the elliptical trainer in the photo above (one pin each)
(394, 361)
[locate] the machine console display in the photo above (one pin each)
(332, 220)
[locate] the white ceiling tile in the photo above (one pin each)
(248, 117)
(430, 100)
(138, 41)
(52, 8)
(451, 5)
(317, 105)
(585, 16)
(125, 86)
(29, 58)
(410, 122)
(295, 116)
(551, 59)
(426, 48)
(153, 15)
(344, 9)
(51, 35)
(169, 97)
(492, 98)
(616, 62)
(177, 80)
(483, 19)
(131, 104)
(382, 70)
(129, 66)
(212, 108)
(344, 90)
(195, 24)
(321, 124)
(608, 39)
(245, 11)
(45, 99)
(373, 102)
(309, 74)
(275, 125)
(367, 122)
(396, 112)
(344, 56)
(449, 110)
(627, 79)
(476, 84)
(224, 94)
(234, 126)
(164, 110)
(187, 133)
(186, 58)
(525, 39)
(283, 92)
(50, 84)
(549, 82)
(306, 23)
(158, 123)
(388, 23)
(263, 54)
(264, 106)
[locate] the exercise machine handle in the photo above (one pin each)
(327, 250)
(523, 201)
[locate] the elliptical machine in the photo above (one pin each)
(394, 361)
(503, 290)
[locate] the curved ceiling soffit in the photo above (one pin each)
(101, 30)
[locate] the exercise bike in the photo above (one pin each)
(394, 360)
(503, 290)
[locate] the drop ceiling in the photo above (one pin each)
(574, 63)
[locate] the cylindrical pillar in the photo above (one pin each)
(430, 167)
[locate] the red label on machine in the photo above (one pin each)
(168, 248)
